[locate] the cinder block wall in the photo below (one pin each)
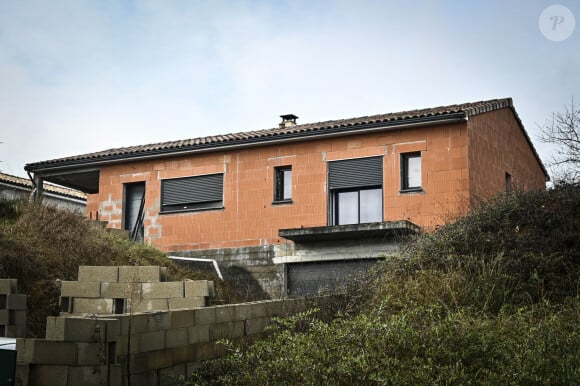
(150, 348)
(12, 310)
(124, 289)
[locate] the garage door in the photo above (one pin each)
(310, 278)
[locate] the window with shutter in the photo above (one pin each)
(356, 190)
(192, 193)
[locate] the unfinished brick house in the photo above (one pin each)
(299, 206)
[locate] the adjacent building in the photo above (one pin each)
(300, 206)
(18, 188)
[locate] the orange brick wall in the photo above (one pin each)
(497, 145)
(250, 218)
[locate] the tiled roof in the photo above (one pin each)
(297, 131)
(7, 179)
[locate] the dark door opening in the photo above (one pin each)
(134, 210)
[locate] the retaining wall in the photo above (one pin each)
(12, 310)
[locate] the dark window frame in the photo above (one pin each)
(335, 203)
(354, 175)
(193, 205)
(404, 162)
(279, 184)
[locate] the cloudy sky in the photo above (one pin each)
(79, 76)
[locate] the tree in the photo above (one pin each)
(563, 131)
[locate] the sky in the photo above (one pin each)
(79, 76)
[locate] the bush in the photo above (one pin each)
(40, 246)
(491, 299)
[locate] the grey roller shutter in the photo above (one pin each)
(355, 173)
(192, 190)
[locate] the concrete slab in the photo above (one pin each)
(163, 290)
(8, 286)
(142, 274)
(85, 289)
(98, 273)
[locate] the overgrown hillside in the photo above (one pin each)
(40, 246)
(493, 299)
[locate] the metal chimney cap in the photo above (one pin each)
(288, 120)
(289, 117)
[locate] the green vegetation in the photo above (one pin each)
(491, 299)
(41, 246)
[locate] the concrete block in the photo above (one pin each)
(15, 331)
(138, 364)
(45, 352)
(91, 354)
(8, 286)
(194, 288)
(15, 302)
(163, 273)
(136, 323)
(5, 317)
(228, 330)
(98, 273)
(115, 375)
(141, 274)
(149, 341)
(159, 359)
(78, 289)
(182, 318)
(176, 337)
(121, 290)
(87, 375)
(186, 303)
(198, 334)
(92, 306)
(163, 290)
(18, 317)
(205, 351)
(256, 326)
(149, 305)
(184, 354)
(205, 315)
(224, 313)
(145, 378)
(46, 375)
(158, 321)
(274, 307)
(211, 287)
(22, 375)
(76, 329)
(246, 311)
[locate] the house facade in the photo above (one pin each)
(304, 204)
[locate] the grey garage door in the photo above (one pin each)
(310, 278)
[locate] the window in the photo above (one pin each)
(411, 172)
(283, 184)
(508, 182)
(356, 190)
(192, 193)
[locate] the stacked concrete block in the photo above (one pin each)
(12, 310)
(129, 289)
(76, 351)
(153, 348)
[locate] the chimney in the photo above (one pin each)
(288, 120)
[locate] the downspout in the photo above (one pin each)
(215, 264)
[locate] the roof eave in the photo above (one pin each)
(50, 168)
